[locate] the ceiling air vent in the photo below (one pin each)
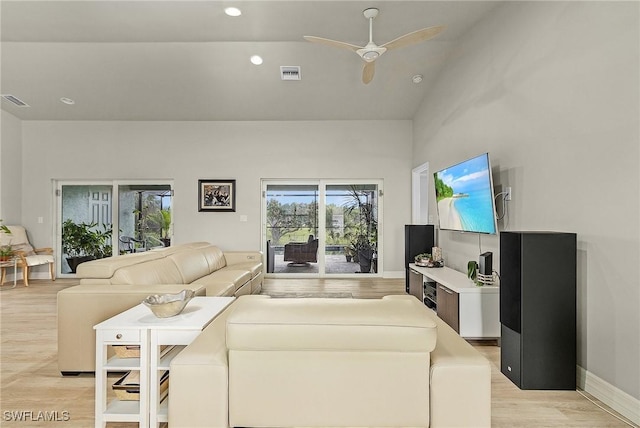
(15, 100)
(290, 72)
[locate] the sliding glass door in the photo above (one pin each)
(321, 227)
(99, 219)
(144, 217)
(352, 228)
(291, 227)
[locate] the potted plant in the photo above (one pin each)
(3, 228)
(165, 224)
(365, 250)
(422, 259)
(6, 251)
(85, 241)
(365, 230)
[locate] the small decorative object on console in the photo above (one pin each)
(435, 264)
(168, 305)
(436, 253)
(422, 259)
(426, 260)
(127, 388)
(472, 270)
(127, 351)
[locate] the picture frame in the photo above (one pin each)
(216, 195)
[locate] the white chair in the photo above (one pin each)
(27, 256)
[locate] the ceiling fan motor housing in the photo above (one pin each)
(371, 52)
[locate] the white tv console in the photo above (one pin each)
(473, 311)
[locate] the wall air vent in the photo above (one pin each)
(290, 72)
(15, 100)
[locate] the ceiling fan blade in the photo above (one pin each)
(368, 72)
(414, 37)
(333, 43)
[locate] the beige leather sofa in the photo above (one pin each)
(387, 362)
(112, 285)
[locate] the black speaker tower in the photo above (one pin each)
(418, 239)
(538, 309)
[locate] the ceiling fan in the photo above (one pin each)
(370, 52)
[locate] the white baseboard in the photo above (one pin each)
(618, 400)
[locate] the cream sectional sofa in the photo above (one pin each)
(111, 285)
(387, 362)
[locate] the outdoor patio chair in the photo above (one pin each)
(301, 252)
(26, 255)
(129, 244)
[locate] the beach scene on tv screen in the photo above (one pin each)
(465, 197)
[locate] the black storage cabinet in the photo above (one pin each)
(538, 309)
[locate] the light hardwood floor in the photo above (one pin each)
(30, 381)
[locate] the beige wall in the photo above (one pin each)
(551, 90)
(11, 167)
(245, 151)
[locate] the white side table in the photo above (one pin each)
(9, 263)
(138, 326)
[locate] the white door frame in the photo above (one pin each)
(420, 194)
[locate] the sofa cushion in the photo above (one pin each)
(254, 267)
(191, 264)
(218, 288)
(105, 268)
(214, 257)
(162, 271)
(226, 276)
(330, 324)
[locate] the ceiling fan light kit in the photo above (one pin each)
(371, 52)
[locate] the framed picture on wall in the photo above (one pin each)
(217, 195)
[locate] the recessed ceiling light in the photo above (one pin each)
(67, 101)
(417, 78)
(233, 11)
(256, 59)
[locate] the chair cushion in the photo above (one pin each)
(39, 259)
(18, 240)
(27, 249)
(18, 236)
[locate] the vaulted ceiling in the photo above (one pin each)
(188, 60)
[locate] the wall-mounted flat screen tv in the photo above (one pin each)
(464, 196)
